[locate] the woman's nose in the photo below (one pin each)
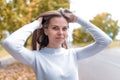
(60, 31)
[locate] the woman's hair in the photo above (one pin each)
(39, 39)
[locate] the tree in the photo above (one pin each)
(16, 13)
(81, 36)
(104, 21)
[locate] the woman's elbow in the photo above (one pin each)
(6, 43)
(107, 41)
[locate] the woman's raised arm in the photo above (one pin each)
(14, 44)
(102, 40)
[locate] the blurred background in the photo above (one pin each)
(102, 13)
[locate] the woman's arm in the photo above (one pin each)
(14, 44)
(102, 40)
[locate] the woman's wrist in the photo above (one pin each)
(40, 21)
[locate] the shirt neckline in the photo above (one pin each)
(53, 50)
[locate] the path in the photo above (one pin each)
(103, 66)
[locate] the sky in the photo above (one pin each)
(87, 9)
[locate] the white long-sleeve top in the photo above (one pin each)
(54, 63)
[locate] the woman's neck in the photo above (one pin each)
(54, 46)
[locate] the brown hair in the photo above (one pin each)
(39, 39)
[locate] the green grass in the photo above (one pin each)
(112, 45)
(3, 52)
(115, 44)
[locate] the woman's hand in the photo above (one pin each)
(40, 20)
(73, 18)
(68, 14)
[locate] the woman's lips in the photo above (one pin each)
(59, 38)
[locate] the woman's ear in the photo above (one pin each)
(46, 31)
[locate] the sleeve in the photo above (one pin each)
(102, 40)
(14, 44)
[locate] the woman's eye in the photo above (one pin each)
(55, 28)
(65, 28)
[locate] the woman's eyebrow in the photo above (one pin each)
(58, 25)
(54, 25)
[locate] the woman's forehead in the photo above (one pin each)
(60, 20)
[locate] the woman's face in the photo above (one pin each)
(56, 31)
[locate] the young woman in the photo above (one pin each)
(50, 57)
